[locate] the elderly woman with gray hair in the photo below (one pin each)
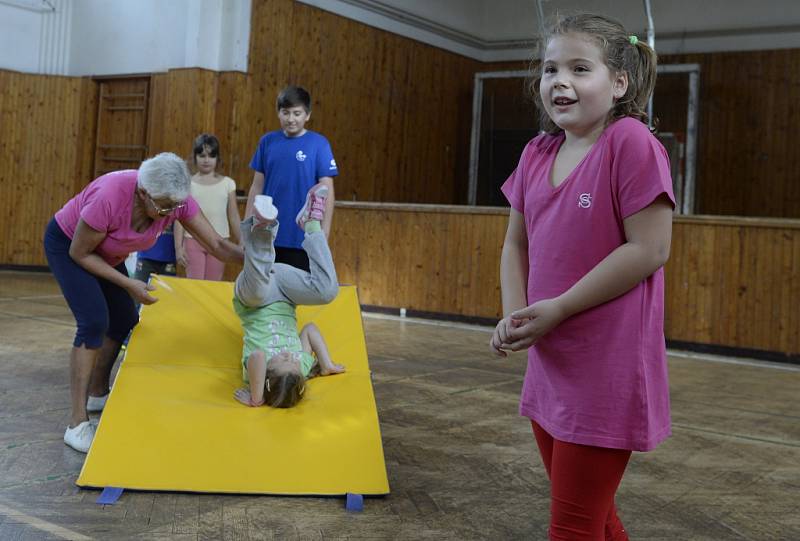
(86, 244)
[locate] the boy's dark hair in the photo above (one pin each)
(206, 140)
(294, 96)
(621, 53)
(284, 390)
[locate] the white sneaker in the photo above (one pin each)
(96, 403)
(80, 438)
(265, 212)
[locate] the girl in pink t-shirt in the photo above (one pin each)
(581, 270)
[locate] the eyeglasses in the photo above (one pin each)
(166, 210)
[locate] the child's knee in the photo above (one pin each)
(308, 328)
(329, 292)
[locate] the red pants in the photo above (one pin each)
(583, 481)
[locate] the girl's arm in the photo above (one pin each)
(233, 218)
(257, 374)
(203, 233)
(513, 277)
(312, 341)
(180, 251)
(327, 220)
(648, 234)
(82, 251)
(256, 188)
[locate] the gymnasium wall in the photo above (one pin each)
(46, 151)
(747, 163)
(729, 282)
(398, 115)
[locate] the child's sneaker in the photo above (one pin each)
(264, 212)
(80, 437)
(314, 207)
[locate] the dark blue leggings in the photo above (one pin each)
(100, 307)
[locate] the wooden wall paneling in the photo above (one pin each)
(731, 309)
(85, 134)
(420, 134)
(727, 283)
(227, 110)
(189, 109)
(41, 118)
(122, 114)
(159, 88)
(747, 164)
(12, 109)
(790, 314)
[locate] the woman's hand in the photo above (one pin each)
(531, 323)
(139, 291)
(181, 258)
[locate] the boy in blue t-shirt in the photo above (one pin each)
(287, 163)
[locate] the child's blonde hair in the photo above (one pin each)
(622, 53)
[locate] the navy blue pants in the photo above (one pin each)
(100, 307)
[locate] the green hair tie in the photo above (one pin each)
(634, 40)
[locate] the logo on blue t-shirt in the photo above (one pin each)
(300, 156)
(333, 165)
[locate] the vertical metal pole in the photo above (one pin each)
(651, 41)
(540, 11)
(477, 98)
(691, 141)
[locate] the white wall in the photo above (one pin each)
(114, 37)
(33, 34)
(19, 30)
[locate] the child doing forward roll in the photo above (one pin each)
(276, 360)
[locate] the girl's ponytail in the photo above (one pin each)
(640, 62)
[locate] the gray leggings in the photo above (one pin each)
(262, 281)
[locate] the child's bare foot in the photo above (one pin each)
(243, 396)
(330, 368)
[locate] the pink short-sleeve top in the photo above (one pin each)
(600, 377)
(106, 205)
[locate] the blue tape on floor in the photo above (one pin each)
(109, 496)
(355, 502)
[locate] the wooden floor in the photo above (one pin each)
(462, 464)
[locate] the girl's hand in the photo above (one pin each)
(498, 342)
(243, 396)
(533, 322)
(139, 291)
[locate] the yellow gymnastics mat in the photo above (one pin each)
(171, 422)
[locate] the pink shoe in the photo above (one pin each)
(264, 212)
(314, 207)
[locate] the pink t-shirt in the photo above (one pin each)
(600, 377)
(106, 204)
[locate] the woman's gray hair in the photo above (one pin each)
(165, 176)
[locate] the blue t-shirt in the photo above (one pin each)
(291, 166)
(163, 250)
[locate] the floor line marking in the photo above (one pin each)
(39, 524)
